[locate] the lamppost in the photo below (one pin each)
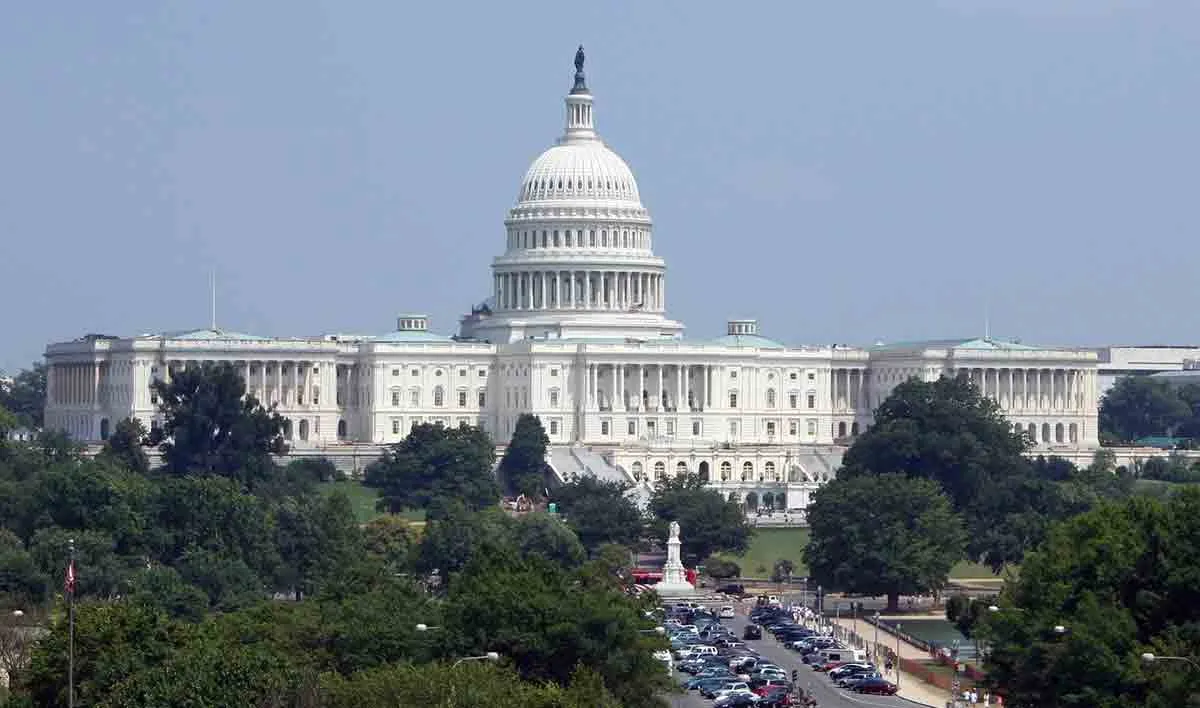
(875, 649)
(657, 630)
(490, 656)
(422, 627)
(897, 657)
(1151, 658)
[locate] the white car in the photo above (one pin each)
(731, 689)
(724, 700)
(727, 612)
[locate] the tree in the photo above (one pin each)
(210, 425)
(316, 536)
(26, 397)
(389, 539)
(451, 542)
(883, 535)
(535, 614)
(946, 431)
(1141, 406)
(124, 446)
(782, 570)
(163, 588)
(1120, 580)
(708, 522)
(548, 537)
(721, 568)
(968, 613)
(600, 512)
(435, 466)
(524, 462)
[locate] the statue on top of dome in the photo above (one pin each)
(580, 82)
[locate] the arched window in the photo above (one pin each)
(1045, 432)
(1059, 433)
(726, 471)
(770, 398)
(104, 428)
(439, 397)
(681, 468)
(704, 472)
(287, 428)
(660, 469)
(769, 472)
(637, 471)
(341, 430)
(841, 430)
(747, 471)
(1032, 430)
(304, 430)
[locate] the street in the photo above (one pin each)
(827, 695)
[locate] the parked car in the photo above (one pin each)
(737, 700)
(879, 687)
(727, 612)
(727, 687)
(752, 631)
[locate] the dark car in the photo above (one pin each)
(732, 589)
(879, 687)
(775, 698)
(752, 631)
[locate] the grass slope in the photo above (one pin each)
(769, 545)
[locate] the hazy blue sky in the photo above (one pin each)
(844, 171)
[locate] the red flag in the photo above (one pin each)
(69, 585)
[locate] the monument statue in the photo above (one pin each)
(674, 580)
(580, 81)
(579, 57)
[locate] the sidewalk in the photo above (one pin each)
(911, 686)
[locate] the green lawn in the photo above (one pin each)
(363, 498)
(769, 545)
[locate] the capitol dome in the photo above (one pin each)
(579, 169)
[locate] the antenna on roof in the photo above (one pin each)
(987, 323)
(212, 289)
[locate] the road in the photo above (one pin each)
(827, 695)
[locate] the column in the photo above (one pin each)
(641, 385)
(680, 394)
(587, 290)
(708, 381)
(659, 393)
(571, 290)
(619, 385)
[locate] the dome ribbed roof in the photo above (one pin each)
(579, 170)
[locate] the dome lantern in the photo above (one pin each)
(579, 107)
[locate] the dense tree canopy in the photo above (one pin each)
(1142, 406)
(435, 466)
(523, 465)
(26, 397)
(211, 426)
(600, 512)
(883, 535)
(1121, 580)
(708, 522)
(124, 447)
(947, 432)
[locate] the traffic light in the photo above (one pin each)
(795, 675)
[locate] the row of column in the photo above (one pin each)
(1034, 389)
(73, 384)
(580, 290)
(849, 391)
(680, 384)
(299, 386)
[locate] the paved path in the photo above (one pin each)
(828, 696)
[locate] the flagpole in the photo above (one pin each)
(71, 625)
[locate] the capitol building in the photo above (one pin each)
(576, 331)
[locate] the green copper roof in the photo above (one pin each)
(209, 334)
(978, 343)
(748, 341)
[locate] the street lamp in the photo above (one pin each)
(657, 630)
(1151, 658)
(490, 656)
(422, 627)
(897, 625)
(875, 649)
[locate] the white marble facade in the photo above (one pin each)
(575, 331)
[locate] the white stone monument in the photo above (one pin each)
(674, 581)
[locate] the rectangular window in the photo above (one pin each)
(604, 428)
(812, 376)
(554, 427)
(316, 398)
(395, 426)
(792, 376)
(770, 429)
(733, 374)
(395, 372)
(732, 399)
(633, 427)
(482, 399)
(462, 372)
(416, 373)
(554, 399)
(316, 369)
(792, 400)
(812, 427)
(812, 400)
(696, 428)
(482, 373)
(793, 428)
(554, 372)
(733, 428)
(462, 399)
(300, 397)
(415, 397)
(395, 398)
(670, 428)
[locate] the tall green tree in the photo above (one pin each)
(26, 397)
(600, 512)
(1105, 588)
(210, 425)
(124, 446)
(1141, 406)
(883, 535)
(523, 466)
(708, 522)
(548, 537)
(946, 431)
(435, 466)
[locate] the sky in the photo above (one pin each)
(845, 172)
